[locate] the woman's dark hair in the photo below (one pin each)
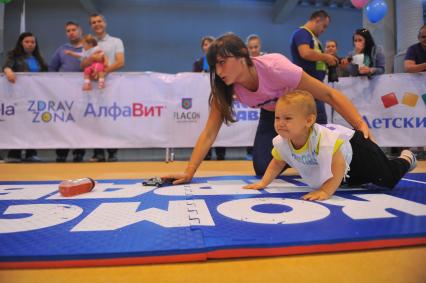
(19, 50)
(228, 45)
(370, 46)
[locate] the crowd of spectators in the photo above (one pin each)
(69, 57)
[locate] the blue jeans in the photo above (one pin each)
(262, 146)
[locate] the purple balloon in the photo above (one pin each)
(359, 4)
(376, 10)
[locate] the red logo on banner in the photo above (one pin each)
(389, 100)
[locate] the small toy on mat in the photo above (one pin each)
(158, 181)
(74, 187)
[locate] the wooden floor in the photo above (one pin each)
(403, 265)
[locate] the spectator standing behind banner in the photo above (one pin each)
(114, 51)
(415, 58)
(61, 62)
(201, 65)
(25, 57)
(366, 59)
(254, 45)
(257, 82)
(306, 51)
(331, 48)
(414, 62)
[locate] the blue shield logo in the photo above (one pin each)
(186, 103)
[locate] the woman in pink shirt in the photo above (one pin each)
(257, 82)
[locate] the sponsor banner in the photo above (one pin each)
(393, 105)
(144, 110)
(135, 110)
(123, 222)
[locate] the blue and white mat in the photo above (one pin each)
(122, 222)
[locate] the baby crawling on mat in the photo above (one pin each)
(327, 156)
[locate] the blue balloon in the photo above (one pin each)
(376, 10)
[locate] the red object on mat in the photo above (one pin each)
(70, 188)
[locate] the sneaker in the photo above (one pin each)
(97, 159)
(32, 159)
(78, 158)
(112, 158)
(12, 160)
(411, 157)
(61, 159)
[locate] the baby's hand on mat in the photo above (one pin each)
(316, 195)
(256, 186)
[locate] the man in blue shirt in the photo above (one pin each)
(307, 52)
(62, 62)
(415, 58)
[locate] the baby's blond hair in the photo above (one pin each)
(90, 39)
(300, 98)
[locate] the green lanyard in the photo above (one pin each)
(319, 65)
